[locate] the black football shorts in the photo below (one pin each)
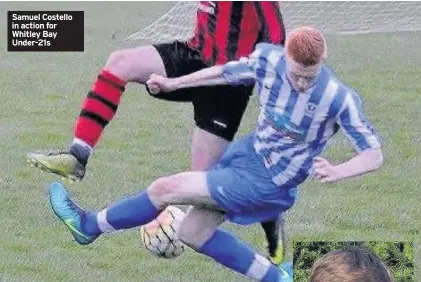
(217, 109)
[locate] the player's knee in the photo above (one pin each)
(161, 189)
(123, 64)
(118, 59)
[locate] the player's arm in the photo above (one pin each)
(205, 77)
(233, 73)
(365, 141)
(364, 162)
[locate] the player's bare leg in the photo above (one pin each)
(199, 225)
(207, 148)
(185, 188)
(99, 108)
(135, 64)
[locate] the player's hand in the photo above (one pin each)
(325, 171)
(158, 83)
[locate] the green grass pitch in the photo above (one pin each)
(40, 97)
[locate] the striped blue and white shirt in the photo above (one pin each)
(294, 127)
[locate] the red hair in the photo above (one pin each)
(306, 45)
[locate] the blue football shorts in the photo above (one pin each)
(242, 185)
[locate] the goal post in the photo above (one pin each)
(330, 17)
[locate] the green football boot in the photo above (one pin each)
(61, 163)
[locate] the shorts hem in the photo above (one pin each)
(227, 136)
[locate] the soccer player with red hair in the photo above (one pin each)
(302, 106)
(224, 31)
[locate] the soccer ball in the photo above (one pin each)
(160, 235)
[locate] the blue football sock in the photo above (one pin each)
(89, 224)
(229, 251)
(127, 213)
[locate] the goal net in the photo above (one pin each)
(330, 17)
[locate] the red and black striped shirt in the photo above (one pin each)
(228, 30)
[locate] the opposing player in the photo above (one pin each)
(302, 105)
(224, 31)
